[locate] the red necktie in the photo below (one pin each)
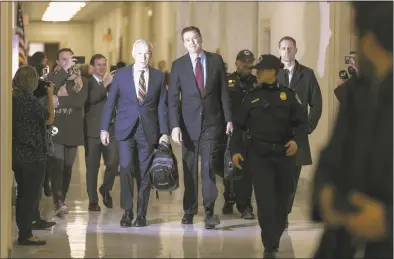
(199, 75)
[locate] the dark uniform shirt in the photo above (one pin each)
(271, 114)
(238, 87)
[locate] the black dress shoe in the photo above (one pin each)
(107, 198)
(93, 206)
(211, 220)
(187, 219)
(140, 222)
(228, 208)
(269, 254)
(32, 241)
(42, 224)
(127, 219)
(47, 190)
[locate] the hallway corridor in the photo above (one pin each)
(83, 234)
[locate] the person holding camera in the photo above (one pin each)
(348, 78)
(29, 120)
(71, 92)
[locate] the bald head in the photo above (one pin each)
(142, 51)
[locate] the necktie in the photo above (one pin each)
(199, 75)
(141, 88)
(287, 79)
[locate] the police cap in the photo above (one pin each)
(245, 55)
(268, 61)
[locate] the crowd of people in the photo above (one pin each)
(266, 118)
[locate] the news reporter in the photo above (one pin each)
(29, 120)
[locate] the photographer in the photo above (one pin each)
(38, 61)
(29, 119)
(71, 91)
(347, 78)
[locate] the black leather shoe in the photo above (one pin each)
(187, 219)
(211, 220)
(107, 198)
(269, 254)
(42, 224)
(127, 219)
(32, 241)
(228, 208)
(140, 222)
(93, 206)
(248, 214)
(47, 190)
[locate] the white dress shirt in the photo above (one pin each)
(137, 74)
(291, 71)
(99, 80)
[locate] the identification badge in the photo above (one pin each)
(283, 96)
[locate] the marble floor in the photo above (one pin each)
(83, 234)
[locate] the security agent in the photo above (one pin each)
(273, 116)
(239, 83)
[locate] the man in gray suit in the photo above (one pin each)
(303, 81)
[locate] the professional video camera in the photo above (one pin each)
(351, 70)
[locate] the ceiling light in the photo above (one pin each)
(61, 11)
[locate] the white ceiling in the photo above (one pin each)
(92, 10)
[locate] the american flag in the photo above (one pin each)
(20, 31)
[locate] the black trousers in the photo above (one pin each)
(292, 195)
(273, 182)
(61, 165)
(136, 143)
(93, 151)
(36, 213)
(190, 156)
(30, 179)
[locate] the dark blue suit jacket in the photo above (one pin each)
(153, 111)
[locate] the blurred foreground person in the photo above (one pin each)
(353, 191)
(29, 120)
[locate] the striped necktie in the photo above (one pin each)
(141, 88)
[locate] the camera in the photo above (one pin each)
(43, 83)
(351, 70)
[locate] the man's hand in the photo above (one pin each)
(176, 135)
(229, 128)
(164, 138)
(62, 91)
(55, 101)
(370, 223)
(108, 78)
(292, 148)
(104, 136)
(70, 63)
(236, 159)
(329, 214)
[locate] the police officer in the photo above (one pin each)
(239, 83)
(274, 118)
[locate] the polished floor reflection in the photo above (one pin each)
(83, 234)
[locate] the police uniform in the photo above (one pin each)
(239, 191)
(273, 116)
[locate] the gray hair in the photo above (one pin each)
(25, 78)
(142, 42)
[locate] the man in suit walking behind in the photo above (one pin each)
(99, 84)
(200, 78)
(141, 122)
(303, 81)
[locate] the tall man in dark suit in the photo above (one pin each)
(200, 78)
(98, 89)
(303, 81)
(141, 122)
